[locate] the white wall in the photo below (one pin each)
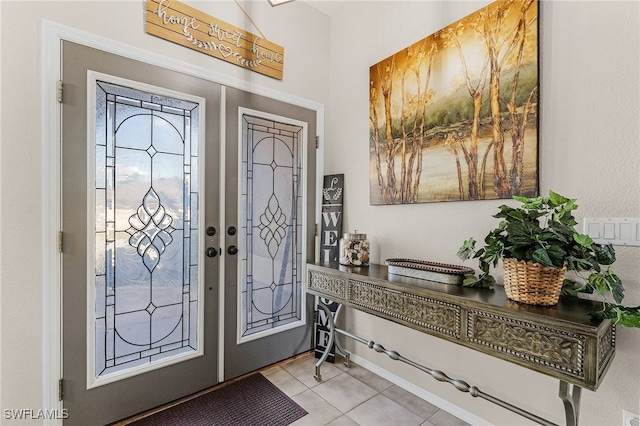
(589, 111)
(589, 150)
(300, 29)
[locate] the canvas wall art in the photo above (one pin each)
(454, 116)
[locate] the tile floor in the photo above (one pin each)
(352, 396)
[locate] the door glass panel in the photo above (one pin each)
(146, 276)
(272, 216)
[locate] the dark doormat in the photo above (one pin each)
(250, 401)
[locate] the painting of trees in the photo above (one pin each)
(454, 116)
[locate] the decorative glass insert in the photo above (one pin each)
(146, 230)
(272, 217)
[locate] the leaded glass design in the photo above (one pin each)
(146, 229)
(271, 290)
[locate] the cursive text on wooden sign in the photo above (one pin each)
(189, 27)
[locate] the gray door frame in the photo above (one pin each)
(50, 197)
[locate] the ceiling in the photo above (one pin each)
(328, 7)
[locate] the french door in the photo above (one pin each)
(269, 211)
(140, 296)
(148, 233)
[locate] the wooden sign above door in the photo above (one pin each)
(189, 27)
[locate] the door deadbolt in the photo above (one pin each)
(211, 231)
(231, 230)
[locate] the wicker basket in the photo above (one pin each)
(532, 283)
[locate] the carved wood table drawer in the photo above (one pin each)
(561, 341)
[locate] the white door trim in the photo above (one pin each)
(52, 35)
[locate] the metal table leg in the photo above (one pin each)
(332, 339)
(570, 395)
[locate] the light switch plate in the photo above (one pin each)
(619, 231)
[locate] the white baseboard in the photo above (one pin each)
(420, 392)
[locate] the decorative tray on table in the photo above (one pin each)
(425, 270)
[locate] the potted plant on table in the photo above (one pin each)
(538, 243)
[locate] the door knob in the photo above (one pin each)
(232, 250)
(211, 252)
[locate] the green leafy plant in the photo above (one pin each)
(542, 230)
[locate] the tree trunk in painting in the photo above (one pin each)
(451, 142)
(472, 161)
(504, 186)
(519, 123)
(389, 194)
(451, 39)
(403, 143)
(483, 170)
(373, 117)
(417, 149)
(422, 99)
(517, 136)
(500, 182)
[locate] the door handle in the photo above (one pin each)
(211, 252)
(232, 250)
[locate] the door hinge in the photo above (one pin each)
(315, 229)
(60, 390)
(60, 238)
(317, 142)
(59, 90)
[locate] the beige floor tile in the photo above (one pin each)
(303, 369)
(442, 418)
(340, 363)
(367, 377)
(343, 421)
(413, 403)
(382, 411)
(320, 411)
(286, 382)
(344, 392)
(366, 398)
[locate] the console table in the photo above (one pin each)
(560, 341)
